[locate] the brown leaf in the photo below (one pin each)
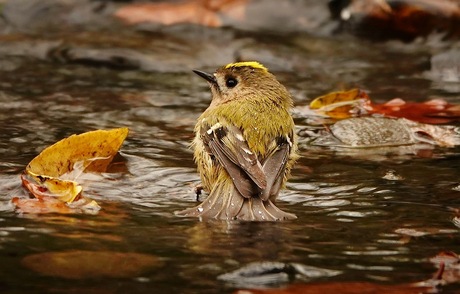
(449, 264)
(342, 288)
(404, 19)
(80, 264)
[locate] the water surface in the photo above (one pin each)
(372, 218)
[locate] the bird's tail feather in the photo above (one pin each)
(226, 203)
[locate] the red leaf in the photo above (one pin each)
(342, 288)
(436, 111)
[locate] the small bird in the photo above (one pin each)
(244, 145)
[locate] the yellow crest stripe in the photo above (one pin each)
(253, 64)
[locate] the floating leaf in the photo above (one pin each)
(80, 264)
(449, 265)
(355, 102)
(436, 111)
(44, 186)
(342, 104)
(52, 175)
(95, 150)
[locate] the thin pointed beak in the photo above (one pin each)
(208, 77)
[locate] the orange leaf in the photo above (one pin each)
(341, 104)
(79, 264)
(342, 288)
(42, 205)
(436, 111)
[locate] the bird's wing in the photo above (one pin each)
(274, 166)
(230, 148)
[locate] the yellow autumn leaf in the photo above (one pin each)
(339, 104)
(64, 190)
(95, 150)
(53, 173)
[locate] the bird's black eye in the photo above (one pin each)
(231, 82)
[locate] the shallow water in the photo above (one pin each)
(372, 217)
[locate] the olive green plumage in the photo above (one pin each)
(245, 145)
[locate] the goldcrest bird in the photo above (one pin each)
(245, 144)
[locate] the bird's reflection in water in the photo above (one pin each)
(240, 241)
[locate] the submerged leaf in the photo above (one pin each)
(343, 288)
(42, 205)
(49, 204)
(373, 132)
(80, 264)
